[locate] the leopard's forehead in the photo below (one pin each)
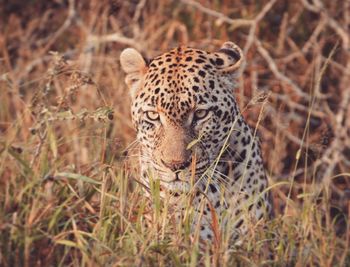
(180, 80)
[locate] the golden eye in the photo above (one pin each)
(152, 115)
(201, 114)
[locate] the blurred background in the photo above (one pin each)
(64, 106)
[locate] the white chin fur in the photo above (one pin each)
(177, 186)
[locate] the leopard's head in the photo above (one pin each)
(183, 109)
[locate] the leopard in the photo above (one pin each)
(194, 139)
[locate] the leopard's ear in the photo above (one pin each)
(230, 59)
(135, 68)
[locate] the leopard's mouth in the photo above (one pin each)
(176, 179)
(175, 182)
(176, 187)
(181, 181)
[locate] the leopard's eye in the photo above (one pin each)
(152, 115)
(200, 114)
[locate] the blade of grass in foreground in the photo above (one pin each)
(77, 176)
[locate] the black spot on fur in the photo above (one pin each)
(261, 188)
(199, 61)
(239, 224)
(211, 84)
(219, 62)
(201, 73)
(246, 140)
(243, 154)
(213, 188)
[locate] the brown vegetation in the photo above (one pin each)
(66, 194)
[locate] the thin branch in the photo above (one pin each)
(258, 18)
(273, 67)
(113, 37)
(317, 7)
(234, 22)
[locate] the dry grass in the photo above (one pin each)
(67, 195)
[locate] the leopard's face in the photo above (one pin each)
(183, 109)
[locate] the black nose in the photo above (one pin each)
(176, 166)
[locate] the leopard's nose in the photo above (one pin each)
(176, 165)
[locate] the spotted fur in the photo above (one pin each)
(193, 136)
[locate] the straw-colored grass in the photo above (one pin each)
(68, 194)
